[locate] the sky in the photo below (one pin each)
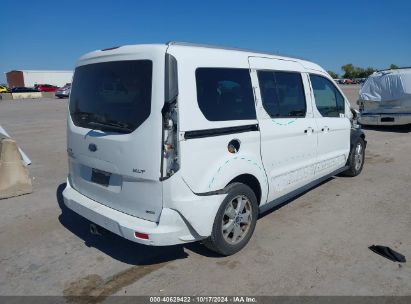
(52, 35)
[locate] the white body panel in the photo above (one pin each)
(288, 145)
(206, 165)
(333, 144)
(281, 154)
(333, 136)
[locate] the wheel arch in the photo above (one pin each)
(355, 135)
(251, 181)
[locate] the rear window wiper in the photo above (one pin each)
(110, 126)
(83, 116)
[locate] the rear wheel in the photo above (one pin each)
(356, 159)
(235, 220)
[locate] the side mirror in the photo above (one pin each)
(355, 116)
(355, 113)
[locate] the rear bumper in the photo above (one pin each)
(385, 119)
(170, 230)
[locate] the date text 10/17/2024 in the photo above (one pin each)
(203, 299)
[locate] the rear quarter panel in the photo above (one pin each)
(206, 164)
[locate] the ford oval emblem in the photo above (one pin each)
(92, 147)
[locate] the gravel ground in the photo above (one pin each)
(317, 244)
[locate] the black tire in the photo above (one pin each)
(355, 167)
(217, 242)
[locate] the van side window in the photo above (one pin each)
(225, 94)
(329, 101)
(282, 93)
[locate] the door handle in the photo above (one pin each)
(308, 131)
(325, 129)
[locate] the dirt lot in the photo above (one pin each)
(314, 245)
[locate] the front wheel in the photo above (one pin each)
(235, 220)
(356, 159)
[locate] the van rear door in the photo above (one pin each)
(115, 128)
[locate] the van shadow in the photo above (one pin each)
(279, 206)
(113, 245)
(392, 129)
(137, 254)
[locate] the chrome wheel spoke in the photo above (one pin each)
(241, 203)
(236, 233)
(228, 227)
(230, 211)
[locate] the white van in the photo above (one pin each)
(175, 143)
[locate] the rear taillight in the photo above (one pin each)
(139, 235)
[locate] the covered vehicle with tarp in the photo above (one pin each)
(385, 98)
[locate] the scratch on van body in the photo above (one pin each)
(284, 123)
(231, 160)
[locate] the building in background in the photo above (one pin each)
(28, 78)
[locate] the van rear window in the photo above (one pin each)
(112, 96)
(225, 94)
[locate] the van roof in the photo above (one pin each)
(228, 48)
(307, 64)
(127, 48)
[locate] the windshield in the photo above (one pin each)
(113, 96)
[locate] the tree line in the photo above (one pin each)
(351, 71)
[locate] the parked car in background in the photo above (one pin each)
(3, 89)
(45, 87)
(63, 91)
(359, 80)
(345, 81)
(23, 90)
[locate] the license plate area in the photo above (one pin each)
(387, 119)
(100, 177)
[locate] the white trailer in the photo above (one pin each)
(28, 78)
